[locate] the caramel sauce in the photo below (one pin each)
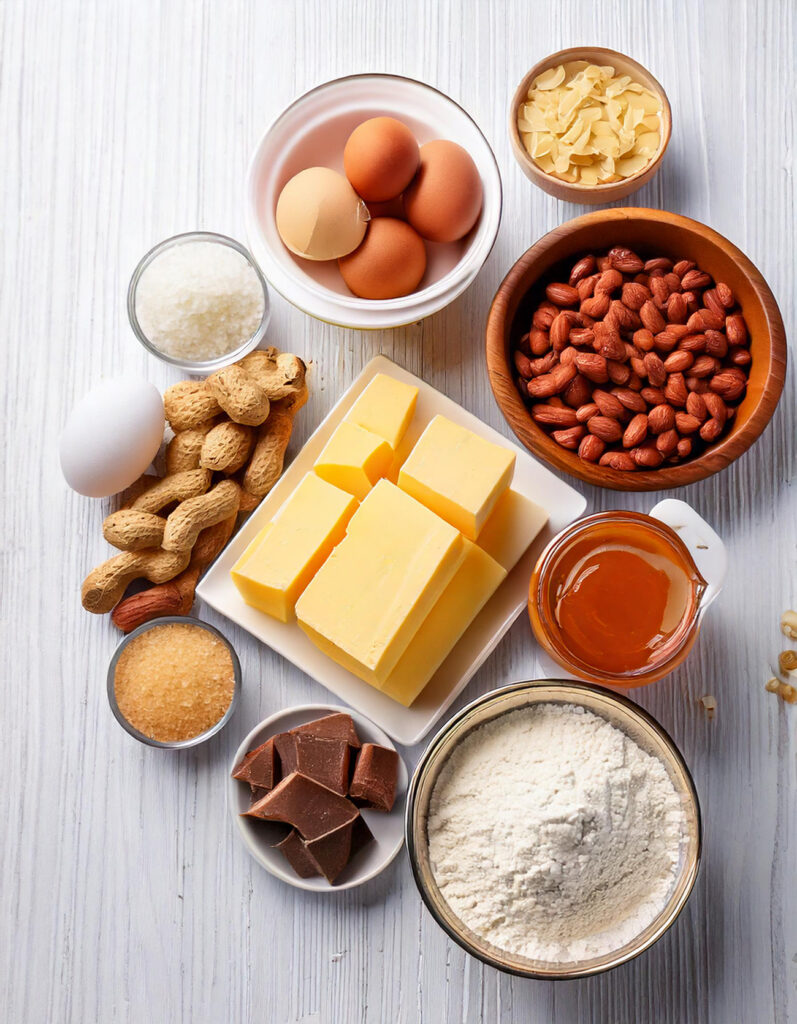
(622, 596)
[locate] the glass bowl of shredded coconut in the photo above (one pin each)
(553, 829)
(198, 301)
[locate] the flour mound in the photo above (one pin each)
(554, 836)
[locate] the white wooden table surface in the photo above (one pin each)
(125, 895)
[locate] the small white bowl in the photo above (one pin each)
(258, 837)
(312, 131)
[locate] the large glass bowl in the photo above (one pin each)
(623, 714)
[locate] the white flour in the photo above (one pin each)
(553, 835)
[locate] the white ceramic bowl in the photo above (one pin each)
(258, 837)
(312, 131)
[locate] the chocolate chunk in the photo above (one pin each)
(335, 727)
(375, 776)
(332, 851)
(256, 793)
(295, 850)
(307, 805)
(327, 855)
(361, 836)
(259, 767)
(285, 743)
(325, 760)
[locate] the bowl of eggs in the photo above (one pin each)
(372, 201)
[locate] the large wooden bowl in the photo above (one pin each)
(575, 192)
(650, 233)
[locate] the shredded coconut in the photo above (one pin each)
(199, 300)
(553, 835)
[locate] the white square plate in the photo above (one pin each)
(405, 725)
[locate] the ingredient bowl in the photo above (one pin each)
(312, 131)
(622, 714)
(577, 192)
(259, 836)
(194, 740)
(595, 562)
(649, 233)
(199, 367)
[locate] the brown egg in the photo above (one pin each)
(390, 262)
(445, 199)
(381, 158)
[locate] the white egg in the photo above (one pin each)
(111, 436)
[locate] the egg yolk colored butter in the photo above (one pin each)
(457, 474)
(287, 553)
(472, 585)
(513, 524)
(385, 408)
(370, 597)
(354, 459)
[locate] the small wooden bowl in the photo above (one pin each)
(649, 233)
(576, 192)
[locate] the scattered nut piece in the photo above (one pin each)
(785, 691)
(788, 624)
(787, 661)
(710, 704)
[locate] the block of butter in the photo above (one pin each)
(354, 459)
(513, 524)
(385, 408)
(457, 474)
(472, 585)
(287, 553)
(369, 598)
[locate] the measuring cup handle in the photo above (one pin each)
(705, 547)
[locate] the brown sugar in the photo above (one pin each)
(174, 682)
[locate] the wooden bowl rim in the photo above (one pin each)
(716, 458)
(576, 189)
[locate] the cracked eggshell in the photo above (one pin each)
(319, 216)
(111, 437)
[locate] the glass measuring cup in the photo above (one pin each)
(617, 598)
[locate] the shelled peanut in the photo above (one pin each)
(230, 436)
(632, 363)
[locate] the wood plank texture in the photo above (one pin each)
(124, 893)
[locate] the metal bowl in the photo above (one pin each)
(622, 714)
(201, 737)
(197, 366)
